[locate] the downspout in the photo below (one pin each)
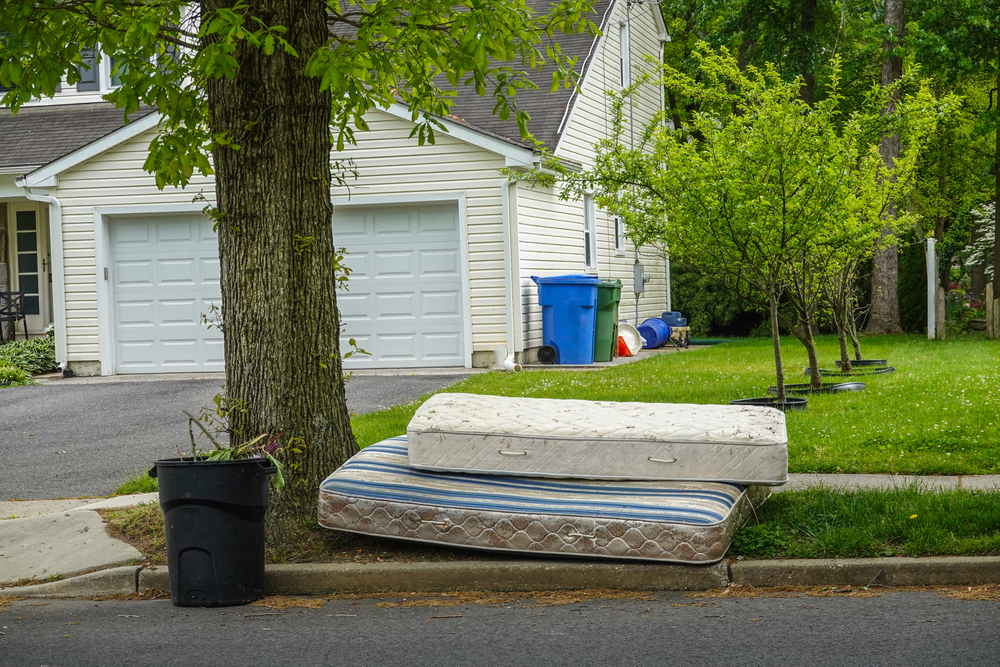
(508, 260)
(58, 278)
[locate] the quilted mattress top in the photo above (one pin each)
(605, 420)
(381, 472)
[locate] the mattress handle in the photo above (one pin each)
(443, 524)
(506, 453)
(590, 537)
(655, 460)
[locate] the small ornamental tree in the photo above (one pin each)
(760, 191)
(260, 93)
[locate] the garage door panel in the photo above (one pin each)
(165, 278)
(396, 264)
(394, 306)
(439, 263)
(441, 304)
(136, 235)
(442, 346)
(388, 222)
(177, 272)
(177, 232)
(135, 273)
(405, 301)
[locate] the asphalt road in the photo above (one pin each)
(912, 629)
(61, 440)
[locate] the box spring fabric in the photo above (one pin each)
(599, 439)
(377, 493)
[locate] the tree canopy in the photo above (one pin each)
(262, 94)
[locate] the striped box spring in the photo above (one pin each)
(377, 493)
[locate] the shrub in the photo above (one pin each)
(11, 376)
(34, 356)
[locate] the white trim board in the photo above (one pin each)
(521, 156)
(463, 244)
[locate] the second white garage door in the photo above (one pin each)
(405, 299)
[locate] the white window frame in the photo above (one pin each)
(624, 55)
(589, 234)
(619, 237)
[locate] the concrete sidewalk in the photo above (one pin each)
(50, 538)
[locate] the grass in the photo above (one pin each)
(828, 523)
(140, 483)
(814, 523)
(938, 414)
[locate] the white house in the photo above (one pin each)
(442, 246)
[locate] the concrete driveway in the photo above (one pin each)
(83, 437)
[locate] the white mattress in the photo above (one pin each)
(599, 440)
(377, 493)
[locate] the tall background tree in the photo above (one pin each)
(884, 315)
(260, 92)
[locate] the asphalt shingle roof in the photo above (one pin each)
(37, 135)
(546, 109)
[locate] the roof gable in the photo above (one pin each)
(39, 135)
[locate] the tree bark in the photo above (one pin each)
(996, 192)
(808, 25)
(803, 331)
(885, 273)
(280, 325)
(779, 371)
(842, 329)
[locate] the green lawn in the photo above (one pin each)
(827, 523)
(938, 414)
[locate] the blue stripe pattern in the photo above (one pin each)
(381, 472)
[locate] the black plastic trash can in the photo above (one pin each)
(213, 517)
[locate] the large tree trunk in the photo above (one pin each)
(996, 193)
(283, 367)
(885, 274)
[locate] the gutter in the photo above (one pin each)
(58, 277)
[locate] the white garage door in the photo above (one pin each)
(404, 303)
(165, 277)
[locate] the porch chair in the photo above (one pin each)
(12, 311)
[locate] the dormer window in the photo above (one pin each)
(98, 73)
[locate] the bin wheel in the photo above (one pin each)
(546, 354)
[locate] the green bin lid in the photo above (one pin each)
(609, 282)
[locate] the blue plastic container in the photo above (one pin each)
(569, 307)
(674, 319)
(655, 331)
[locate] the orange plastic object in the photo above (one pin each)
(623, 350)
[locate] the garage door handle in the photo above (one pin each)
(506, 453)
(654, 460)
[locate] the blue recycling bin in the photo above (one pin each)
(569, 310)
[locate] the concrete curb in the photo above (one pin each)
(525, 576)
(116, 581)
(945, 571)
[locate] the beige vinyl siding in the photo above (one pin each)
(393, 166)
(390, 165)
(113, 178)
(551, 231)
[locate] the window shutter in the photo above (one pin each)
(89, 72)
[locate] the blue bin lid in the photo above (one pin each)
(573, 279)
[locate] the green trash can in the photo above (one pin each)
(609, 293)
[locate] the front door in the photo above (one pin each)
(30, 263)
